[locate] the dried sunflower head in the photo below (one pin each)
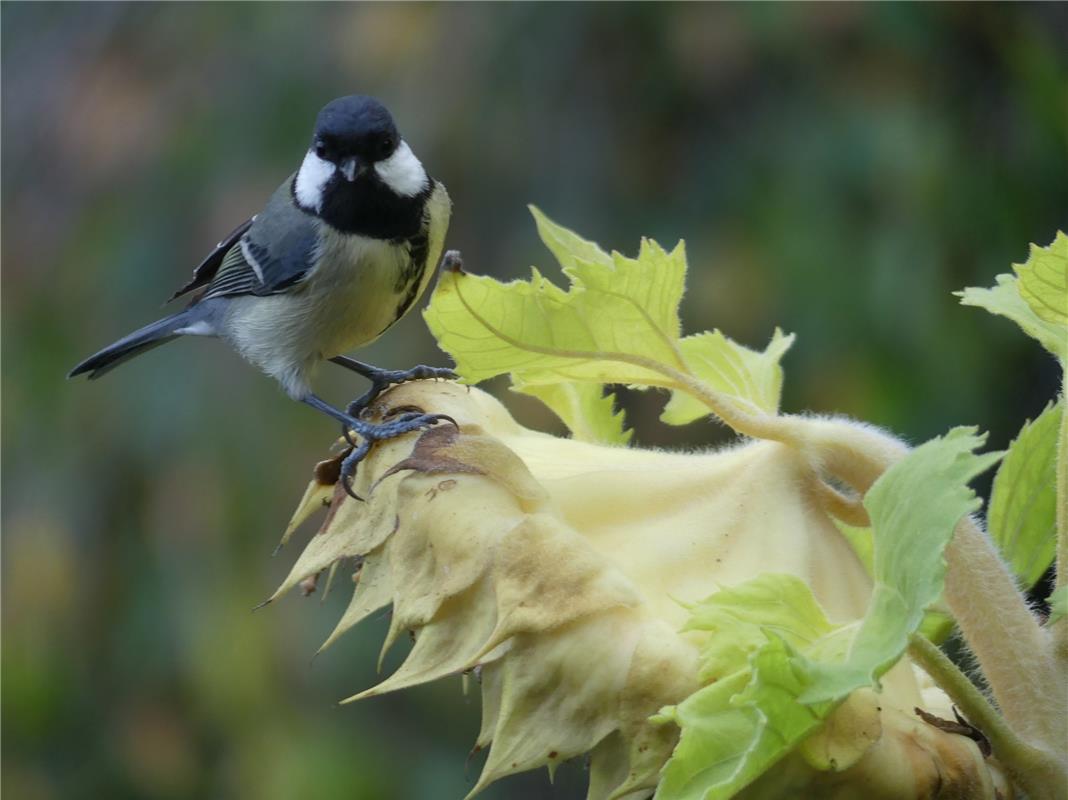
(580, 581)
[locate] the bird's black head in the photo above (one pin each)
(355, 132)
(358, 174)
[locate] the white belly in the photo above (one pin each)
(340, 307)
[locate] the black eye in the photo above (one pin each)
(387, 146)
(320, 149)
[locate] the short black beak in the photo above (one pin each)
(350, 167)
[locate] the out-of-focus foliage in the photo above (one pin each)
(836, 169)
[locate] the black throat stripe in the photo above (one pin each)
(370, 208)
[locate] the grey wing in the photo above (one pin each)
(276, 252)
(207, 269)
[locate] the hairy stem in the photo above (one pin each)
(1040, 774)
(1060, 632)
(1062, 497)
(1010, 644)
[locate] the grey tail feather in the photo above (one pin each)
(140, 341)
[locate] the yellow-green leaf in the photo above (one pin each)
(617, 322)
(914, 507)
(1044, 280)
(1036, 300)
(542, 334)
(937, 623)
(730, 368)
(588, 412)
(569, 248)
(1023, 503)
(740, 619)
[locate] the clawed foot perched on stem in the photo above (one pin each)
(371, 432)
(382, 379)
(376, 432)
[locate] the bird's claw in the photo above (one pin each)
(382, 379)
(378, 432)
(349, 464)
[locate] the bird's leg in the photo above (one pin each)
(370, 432)
(382, 379)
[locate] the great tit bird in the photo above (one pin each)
(343, 249)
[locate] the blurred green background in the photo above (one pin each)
(835, 169)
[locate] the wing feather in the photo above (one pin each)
(207, 269)
(275, 252)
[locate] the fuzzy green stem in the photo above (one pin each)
(1038, 773)
(1060, 632)
(1062, 488)
(1006, 637)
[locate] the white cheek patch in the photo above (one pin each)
(311, 181)
(402, 172)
